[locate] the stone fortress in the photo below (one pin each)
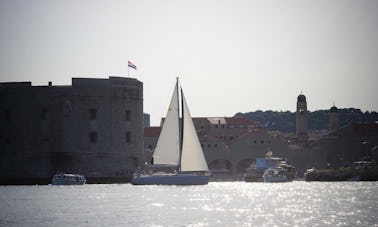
(95, 127)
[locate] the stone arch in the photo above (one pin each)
(243, 164)
(221, 169)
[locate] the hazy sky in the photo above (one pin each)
(232, 56)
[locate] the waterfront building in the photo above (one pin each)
(231, 144)
(146, 120)
(93, 127)
(151, 135)
(343, 147)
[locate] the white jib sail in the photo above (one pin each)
(167, 149)
(192, 158)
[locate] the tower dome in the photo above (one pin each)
(334, 109)
(301, 98)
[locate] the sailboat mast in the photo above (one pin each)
(182, 123)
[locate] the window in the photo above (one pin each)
(93, 137)
(45, 141)
(208, 145)
(44, 114)
(7, 141)
(216, 145)
(201, 145)
(127, 115)
(128, 137)
(216, 126)
(231, 137)
(262, 141)
(92, 114)
(67, 109)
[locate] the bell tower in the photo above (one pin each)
(334, 123)
(302, 118)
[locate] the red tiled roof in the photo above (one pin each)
(199, 118)
(241, 137)
(152, 131)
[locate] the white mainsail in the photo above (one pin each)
(167, 149)
(192, 158)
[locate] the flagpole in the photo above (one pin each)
(129, 64)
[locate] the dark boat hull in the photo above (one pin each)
(171, 179)
(253, 179)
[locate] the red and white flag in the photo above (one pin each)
(132, 65)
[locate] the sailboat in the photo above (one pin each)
(178, 147)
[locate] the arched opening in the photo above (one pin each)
(241, 167)
(221, 169)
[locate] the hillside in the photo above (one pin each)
(285, 121)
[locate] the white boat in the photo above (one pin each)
(275, 175)
(178, 148)
(68, 179)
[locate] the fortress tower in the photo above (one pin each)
(93, 127)
(301, 118)
(334, 123)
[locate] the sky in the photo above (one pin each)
(231, 56)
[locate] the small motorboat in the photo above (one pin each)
(275, 175)
(255, 172)
(68, 179)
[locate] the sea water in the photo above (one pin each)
(216, 204)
